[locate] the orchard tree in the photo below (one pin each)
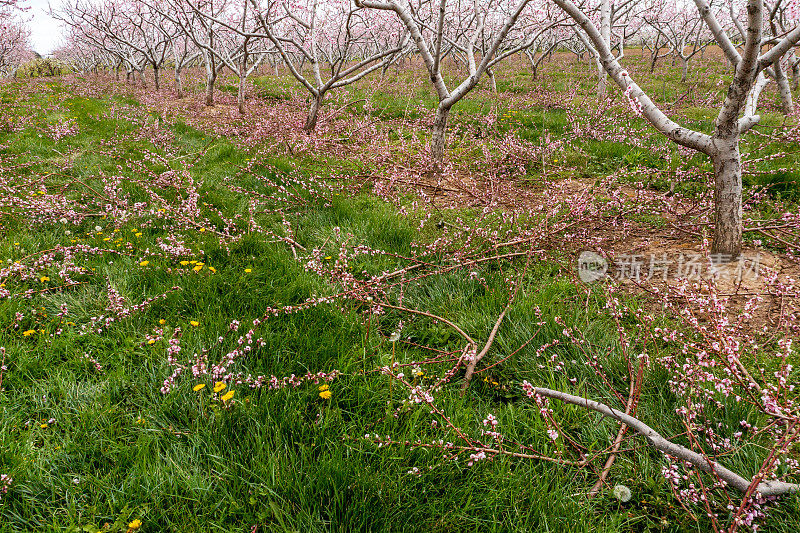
(681, 29)
(14, 46)
(9, 8)
(97, 25)
(79, 57)
(142, 29)
(617, 23)
(539, 31)
(722, 146)
(349, 41)
(199, 23)
(233, 43)
(183, 51)
(455, 26)
(780, 17)
(14, 37)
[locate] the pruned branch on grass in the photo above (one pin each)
(765, 488)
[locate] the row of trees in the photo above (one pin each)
(14, 38)
(328, 44)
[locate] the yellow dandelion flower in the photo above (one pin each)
(219, 386)
(144, 263)
(107, 239)
(43, 426)
(328, 258)
(193, 262)
(202, 230)
(199, 386)
(198, 268)
(227, 396)
(184, 263)
(136, 524)
(162, 321)
(138, 234)
(195, 323)
(29, 332)
(324, 387)
(44, 278)
(248, 270)
(325, 395)
(213, 270)
(151, 341)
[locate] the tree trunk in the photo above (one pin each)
(156, 80)
(684, 69)
(783, 88)
(601, 80)
(439, 138)
(212, 77)
(530, 55)
(755, 92)
(240, 95)
(653, 61)
(795, 71)
(313, 114)
(727, 243)
(492, 79)
(605, 33)
(178, 83)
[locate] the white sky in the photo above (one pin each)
(46, 32)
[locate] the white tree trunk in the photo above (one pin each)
(755, 92)
(439, 137)
(783, 88)
(178, 83)
(210, 80)
(602, 79)
(240, 94)
(313, 114)
(605, 33)
(492, 80)
(727, 244)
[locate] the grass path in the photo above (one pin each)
(89, 446)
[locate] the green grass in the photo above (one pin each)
(288, 460)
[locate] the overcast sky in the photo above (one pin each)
(45, 31)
